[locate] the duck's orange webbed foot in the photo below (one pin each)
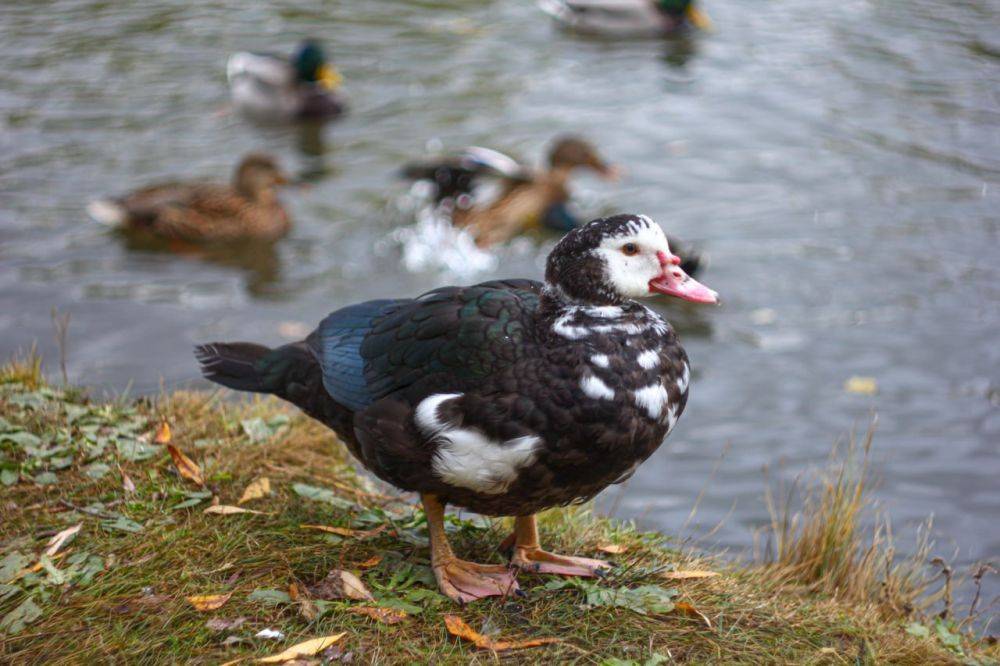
(467, 581)
(529, 556)
(537, 560)
(460, 580)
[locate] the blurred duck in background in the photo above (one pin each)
(527, 198)
(651, 18)
(248, 209)
(272, 88)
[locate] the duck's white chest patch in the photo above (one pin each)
(594, 387)
(648, 359)
(653, 399)
(682, 381)
(600, 360)
(466, 457)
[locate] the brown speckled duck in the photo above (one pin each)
(248, 209)
(528, 198)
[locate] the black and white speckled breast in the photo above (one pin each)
(628, 355)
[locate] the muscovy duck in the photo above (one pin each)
(506, 397)
(621, 18)
(528, 198)
(248, 209)
(273, 88)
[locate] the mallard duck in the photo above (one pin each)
(506, 397)
(626, 17)
(248, 209)
(528, 198)
(273, 88)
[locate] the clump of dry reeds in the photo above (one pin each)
(839, 543)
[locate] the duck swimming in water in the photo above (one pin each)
(248, 209)
(626, 18)
(528, 198)
(507, 397)
(272, 88)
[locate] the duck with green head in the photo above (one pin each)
(272, 88)
(633, 18)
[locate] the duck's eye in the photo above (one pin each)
(630, 249)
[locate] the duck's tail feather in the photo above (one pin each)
(235, 365)
(108, 212)
(290, 372)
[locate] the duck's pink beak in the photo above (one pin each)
(672, 281)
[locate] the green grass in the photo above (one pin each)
(114, 595)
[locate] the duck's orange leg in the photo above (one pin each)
(462, 581)
(529, 556)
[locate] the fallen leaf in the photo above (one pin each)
(345, 531)
(269, 597)
(227, 510)
(307, 607)
(127, 485)
(16, 620)
(163, 435)
(40, 564)
(222, 624)
(612, 548)
(685, 575)
(372, 561)
(61, 539)
(257, 489)
(688, 609)
(273, 634)
(208, 602)
(340, 584)
(321, 495)
(862, 385)
(383, 615)
(457, 627)
(152, 600)
(185, 466)
(304, 649)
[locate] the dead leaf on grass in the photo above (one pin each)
(307, 607)
(257, 489)
(208, 602)
(340, 584)
(185, 466)
(222, 624)
(228, 510)
(688, 609)
(686, 575)
(127, 484)
(612, 548)
(304, 649)
(345, 531)
(163, 435)
(457, 627)
(61, 539)
(372, 561)
(383, 615)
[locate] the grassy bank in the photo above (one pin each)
(128, 584)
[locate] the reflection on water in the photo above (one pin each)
(257, 261)
(838, 162)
